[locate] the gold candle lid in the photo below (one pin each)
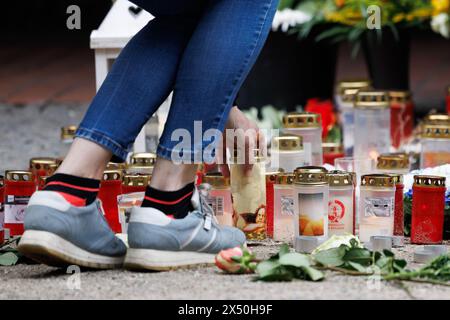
(349, 95)
(400, 96)
(398, 178)
(271, 174)
(18, 175)
(372, 99)
(136, 180)
(338, 178)
(112, 175)
(68, 133)
(429, 181)
(393, 161)
(44, 163)
(436, 131)
(332, 147)
(116, 166)
(357, 84)
(311, 175)
(437, 118)
(377, 180)
(258, 155)
(287, 143)
(143, 159)
(216, 179)
(302, 120)
(285, 178)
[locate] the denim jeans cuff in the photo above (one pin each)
(189, 156)
(104, 141)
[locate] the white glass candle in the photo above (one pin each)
(376, 209)
(311, 194)
(348, 84)
(219, 197)
(435, 141)
(372, 124)
(287, 153)
(341, 208)
(396, 163)
(309, 127)
(249, 197)
(283, 224)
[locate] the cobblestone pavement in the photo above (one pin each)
(42, 282)
(34, 131)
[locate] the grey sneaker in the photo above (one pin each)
(59, 234)
(157, 242)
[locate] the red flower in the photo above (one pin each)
(325, 109)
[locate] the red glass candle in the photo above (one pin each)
(110, 189)
(428, 203)
(332, 151)
(19, 187)
(402, 117)
(2, 217)
(270, 181)
(42, 167)
(398, 207)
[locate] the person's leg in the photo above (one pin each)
(64, 224)
(218, 58)
(140, 80)
(220, 53)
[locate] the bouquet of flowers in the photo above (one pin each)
(349, 19)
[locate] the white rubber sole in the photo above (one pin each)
(156, 260)
(51, 249)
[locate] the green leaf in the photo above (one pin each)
(358, 267)
(399, 265)
(285, 4)
(284, 249)
(267, 268)
(8, 259)
(333, 32)
(331, 257)
(278, 274)
(388, 253)
(313, 274)
(295, 259)
(358, 255)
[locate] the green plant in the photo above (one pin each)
(354, 260)
(347, 20)
(286, 266)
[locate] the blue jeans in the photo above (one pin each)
(201, 49)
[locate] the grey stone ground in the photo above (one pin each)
(34, 131)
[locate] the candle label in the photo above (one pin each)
(287, 205)
(125, 203)
(15, 209)
(216, 203)
(378, 207)
(311, 219)
(336, 212)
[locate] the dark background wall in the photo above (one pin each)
(41, 60)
